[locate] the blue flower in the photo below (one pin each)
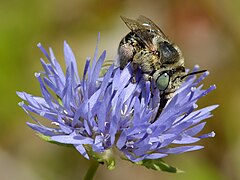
(98, 113)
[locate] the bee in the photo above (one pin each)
(149, 49)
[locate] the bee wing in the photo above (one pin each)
(141, 31)
(151, 26)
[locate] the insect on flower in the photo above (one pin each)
(160, 60)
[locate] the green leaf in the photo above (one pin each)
(159, 165)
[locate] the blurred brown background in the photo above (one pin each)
(208, 32)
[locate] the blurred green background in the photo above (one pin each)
(208, 32)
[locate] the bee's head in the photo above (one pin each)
(169, 81)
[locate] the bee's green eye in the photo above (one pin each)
(163, 81)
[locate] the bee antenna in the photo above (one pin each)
(193, 73)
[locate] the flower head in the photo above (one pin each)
(98, 113)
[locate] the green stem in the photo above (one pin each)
(92, 171)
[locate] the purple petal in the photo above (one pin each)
(82, 150)
(155, 156)
(71, 139)
(70, 59)
(181, 149)
(96, 72)
(211, 134)
(196, 129)
(41, 129)
(57, 67)
(43, 50)
(121, 140)
(186, 140)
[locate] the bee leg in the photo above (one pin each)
(163, 102)
(135, 68)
